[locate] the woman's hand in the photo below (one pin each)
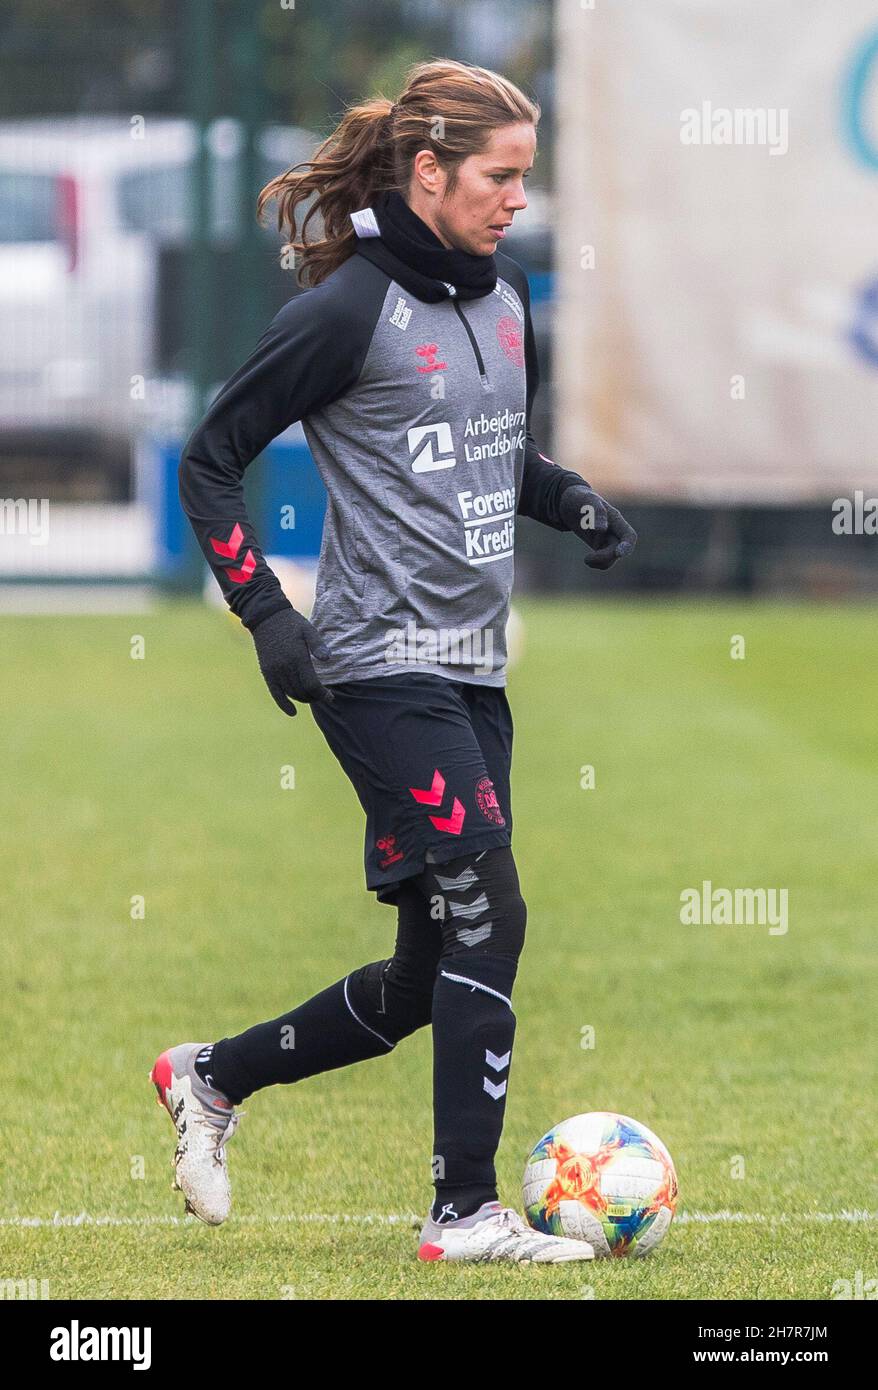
(601, 526)
(284, 643)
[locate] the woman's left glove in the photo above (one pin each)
(597, 523)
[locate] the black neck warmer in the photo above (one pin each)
(414, 256)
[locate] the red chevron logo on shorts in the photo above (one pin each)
(433, 795)
(451, 824)
(229, 549)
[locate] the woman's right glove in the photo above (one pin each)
(284, 643)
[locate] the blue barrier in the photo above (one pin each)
(293, 502)
(285, 496)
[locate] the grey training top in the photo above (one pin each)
(417, 416)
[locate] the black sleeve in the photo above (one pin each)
(310, 354)
(543, 481)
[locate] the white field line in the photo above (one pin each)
(783, 1218)
(85, 1218)
(683, 1218)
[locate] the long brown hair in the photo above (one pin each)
(448, 107)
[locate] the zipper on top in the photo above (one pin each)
(483, 377)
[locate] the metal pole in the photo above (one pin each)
(252, 258)
(199, 42)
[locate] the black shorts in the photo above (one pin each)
(430, 760)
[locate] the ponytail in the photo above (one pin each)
(448, 107)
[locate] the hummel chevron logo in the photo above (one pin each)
(471, 936)
(230, 547)
(496, 1090)
(466, 879)
(229, 550)
(243, 574)
(451, 824)
(498, 1063)
(469, 909)
(432, 795)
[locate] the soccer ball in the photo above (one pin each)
(603, 1178)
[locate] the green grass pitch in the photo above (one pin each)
(750, 1054)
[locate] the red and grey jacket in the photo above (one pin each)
(417, 416)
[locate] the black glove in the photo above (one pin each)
(282, 646)
(601, 526)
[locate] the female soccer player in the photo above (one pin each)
(411, 363)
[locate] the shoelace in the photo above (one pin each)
(510, 1218)
(514, 1228)
(207, 1117)
(511, 1224)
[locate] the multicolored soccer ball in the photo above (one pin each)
(603, 1178)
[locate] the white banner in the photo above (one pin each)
(717, 195)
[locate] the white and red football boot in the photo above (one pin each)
(205, 1121)
(494, 1233)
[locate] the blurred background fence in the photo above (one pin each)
(700, 244)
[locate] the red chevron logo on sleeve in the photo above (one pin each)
(243, 574)
(430, 796)
(229, 548)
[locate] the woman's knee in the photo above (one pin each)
(477, 900)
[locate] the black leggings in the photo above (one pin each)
(461, 932)
(461, 928)
(466, 914)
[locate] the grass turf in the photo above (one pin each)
(749, 1053)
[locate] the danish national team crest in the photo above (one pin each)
(487, 800)
(511, 340)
